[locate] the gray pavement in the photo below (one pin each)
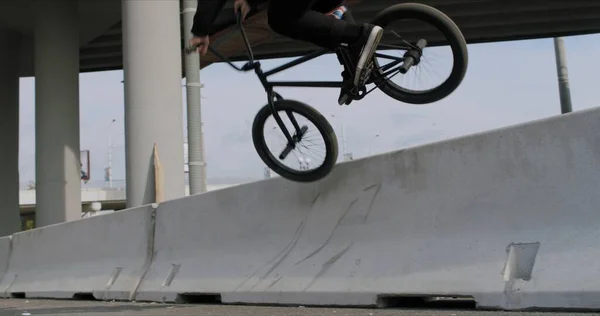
(25, 307)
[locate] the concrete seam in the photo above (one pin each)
(149, 254)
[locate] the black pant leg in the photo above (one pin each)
(296, 19)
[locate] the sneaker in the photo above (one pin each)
(363, 51)
(344, 98)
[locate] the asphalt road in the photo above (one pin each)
(24, 307)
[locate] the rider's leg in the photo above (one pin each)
(344, 97)
(328, 7)
(298, 20)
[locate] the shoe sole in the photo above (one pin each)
(370, 48)
(343, 99)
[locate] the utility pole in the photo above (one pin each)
(109, 169)
(345, 155)
(197, 165)
(344, 140)
(563, 75)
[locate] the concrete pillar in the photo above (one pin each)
(56, 58)
(9, 133)
(153, 98)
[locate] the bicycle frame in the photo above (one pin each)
(342, 53)
(263, 76)
(269, 85)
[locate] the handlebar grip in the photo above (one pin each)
(189, 50)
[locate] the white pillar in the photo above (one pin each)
(9, 133)
(153, 101)
(197, 163)
(56, 57)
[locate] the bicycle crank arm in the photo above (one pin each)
(287, 151)
(290, 146)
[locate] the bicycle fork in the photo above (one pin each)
(292, 140)
(273, 96)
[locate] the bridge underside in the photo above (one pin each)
(480, 21)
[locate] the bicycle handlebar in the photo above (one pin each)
(249, 65)
(238, 19)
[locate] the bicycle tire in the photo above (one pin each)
(455, 39)
(314, 117)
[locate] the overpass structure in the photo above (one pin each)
(481, 21)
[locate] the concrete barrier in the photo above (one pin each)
(4, 255)
(509, 217)
(103, 256)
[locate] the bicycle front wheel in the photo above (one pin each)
(300, 160)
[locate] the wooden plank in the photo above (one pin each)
(158, 176)
(229, 42)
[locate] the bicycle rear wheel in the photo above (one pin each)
(312, 166)
(407, 38)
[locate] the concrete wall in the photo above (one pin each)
(508, 217)
(104, 256)
(493, 216)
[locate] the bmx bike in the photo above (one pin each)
(378, 77)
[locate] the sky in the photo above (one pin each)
(506, 83)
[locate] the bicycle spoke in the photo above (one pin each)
(411, 46)
(390, 46)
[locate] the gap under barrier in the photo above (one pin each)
(102, 257)
(508, 217)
